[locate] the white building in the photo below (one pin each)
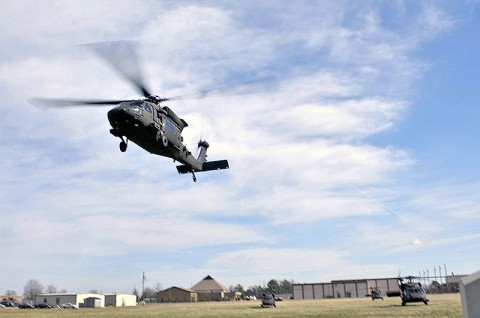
(120, 300)
(57, 300)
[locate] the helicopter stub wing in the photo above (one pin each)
(207, 166)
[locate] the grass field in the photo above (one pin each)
(440, 306)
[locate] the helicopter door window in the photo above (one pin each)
(171, 127)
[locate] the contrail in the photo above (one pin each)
(388, 208)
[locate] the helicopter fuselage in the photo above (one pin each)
(155, 129)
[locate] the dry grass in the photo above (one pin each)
(440, 306)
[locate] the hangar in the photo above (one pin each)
(345, 288)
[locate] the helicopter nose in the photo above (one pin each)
(115, 115)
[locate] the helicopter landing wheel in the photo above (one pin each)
(123, 146)
(194, 177)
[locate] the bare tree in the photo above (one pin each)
(149, 293)
(10, 292)
(136, 293)
(32, 287)
(158, 287)
(51, 289)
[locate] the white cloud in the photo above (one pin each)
(293, 151)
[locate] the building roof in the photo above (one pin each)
(176, 287)
(208, 284)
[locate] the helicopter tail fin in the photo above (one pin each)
(203, 146)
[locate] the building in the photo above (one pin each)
(453, 283)
(56, 300)
(345, 288)
(88, 300)
(15, 298)
(92, 302)
(470, 289)
(177, 295)
(209, 289)
(120, 300)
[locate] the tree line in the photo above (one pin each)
(273, 286)
(34, 287)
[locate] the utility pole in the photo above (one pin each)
(428, 279)
(143, 285)
(440, 274)
(446, 283)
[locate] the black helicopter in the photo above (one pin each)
(410, 291)
(153, 127)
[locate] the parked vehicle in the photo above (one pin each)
(43, 306)
(9, 303)
(69, 306)
(26, 306)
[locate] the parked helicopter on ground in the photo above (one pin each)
(411, 292)
(144, 121)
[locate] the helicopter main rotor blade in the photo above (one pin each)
(247, 88)
(122, 56)
(55, 103)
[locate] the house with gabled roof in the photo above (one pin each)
(176, 294)
(209, 289)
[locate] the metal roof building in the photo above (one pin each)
(344, 288)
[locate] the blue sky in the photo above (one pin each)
(361, 161)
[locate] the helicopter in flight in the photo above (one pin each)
(144, 121)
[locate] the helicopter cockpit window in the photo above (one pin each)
(148, 108)
(138, 103)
